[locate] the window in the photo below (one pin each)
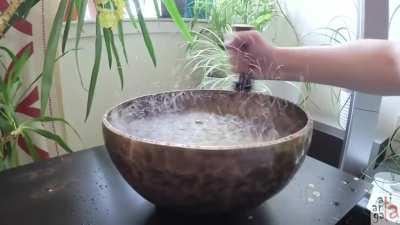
(148, 9)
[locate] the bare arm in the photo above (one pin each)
(371, 66)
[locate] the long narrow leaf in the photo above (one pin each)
(79, 28)
(78, 4)
(130, 14)
(107, 40)
(122, 39)
(145, 32)
(157, 8)
(31, 147)
(116, 56)
(95, 70)
(48, 65)
(177, 18)
(54, 137)
(67, 25)
(18, 65)
(46, 119)
(81, 21)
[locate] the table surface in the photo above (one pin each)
(84, 188)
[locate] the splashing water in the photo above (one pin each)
(200, 129)
(204, 119)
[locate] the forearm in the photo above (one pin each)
(371, 66)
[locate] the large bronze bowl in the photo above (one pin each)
(208, 179)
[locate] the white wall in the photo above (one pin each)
(141, 77)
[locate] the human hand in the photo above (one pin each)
(251, 54)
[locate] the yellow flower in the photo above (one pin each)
(107, 19)
(120, 7)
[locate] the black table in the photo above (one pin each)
(84, 188)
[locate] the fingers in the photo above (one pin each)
(241, 54)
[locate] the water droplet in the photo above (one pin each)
(199, 122)
(335, 203)
(311, 185)
(356, 178)
(50, 190)
(345, 182)
(335, 219)
(250, 217)
(352, 189)
(316, 194)
(310, 199)
(322, 178)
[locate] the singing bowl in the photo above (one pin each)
(208, 179)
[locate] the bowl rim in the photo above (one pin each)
(240, 147)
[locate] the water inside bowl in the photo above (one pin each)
(201, 128)
(207, 118)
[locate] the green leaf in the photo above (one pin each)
(95, 70)
(177, 18)
(131, 16)
(5, 125)
(46, 119)
(67, 25)
(116, 56)
(19, 64)
(26, 6)
(79, 28)
(263, 19)
(31, 147)
(54, 137)
(81, 21)
(145, 33)
(122, 40)
(157, 8)
(13, 82)
(48, 65)
(78, 4)
(107, 40)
